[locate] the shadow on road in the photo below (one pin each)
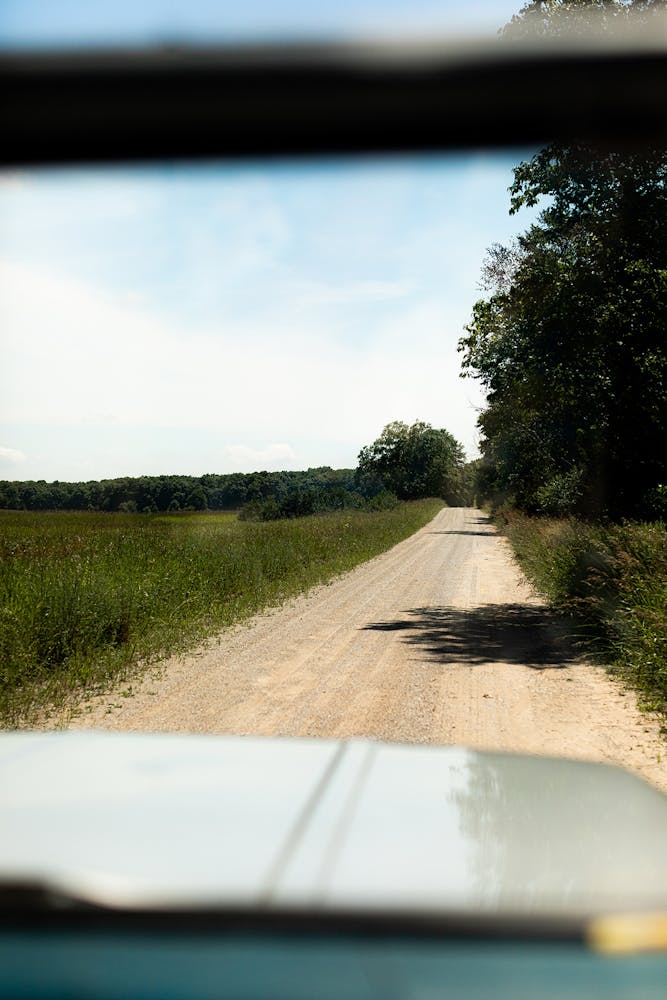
(487, 534)
(495, 633)
(472, 521)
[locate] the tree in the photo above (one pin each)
(570, 342)
(549, 18)
(197, 499)
(412, 462)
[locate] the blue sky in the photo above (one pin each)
(66, 22)
(216, 318)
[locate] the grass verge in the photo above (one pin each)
(612, 582)
(85, 597)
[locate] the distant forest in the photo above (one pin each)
(404, 463)
(321, 488)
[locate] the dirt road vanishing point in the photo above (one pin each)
(439, 640)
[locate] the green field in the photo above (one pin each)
(85, 597)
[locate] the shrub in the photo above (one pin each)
(561, 495)
(384, 500)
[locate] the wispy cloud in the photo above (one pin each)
(11, 456)
(271, 458)
(201, 318)
(75, 358)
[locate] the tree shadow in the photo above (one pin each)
(486, 534)
(495, 633)
(472, 521)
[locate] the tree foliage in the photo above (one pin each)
(413, 462)
(151, 494)
(570, 342)
(549, 18)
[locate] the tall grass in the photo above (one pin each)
(613, 581)
(84, 597)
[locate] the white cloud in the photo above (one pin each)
(70, 353)
(75, 358)
(244, 459)
(11, 456)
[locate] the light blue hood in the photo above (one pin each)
(192, 822)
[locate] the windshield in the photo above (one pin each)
(349, 469)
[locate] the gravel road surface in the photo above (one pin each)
(439, 640)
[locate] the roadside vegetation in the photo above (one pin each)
(569, 344)
(611, 580)
(86, 597)
(569, 341)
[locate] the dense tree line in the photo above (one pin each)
(152, 494)
(570, 341)
(404, 463)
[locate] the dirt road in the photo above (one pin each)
(440, 640)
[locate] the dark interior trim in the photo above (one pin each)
(286, 101)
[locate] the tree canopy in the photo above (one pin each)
(546, 18)
(413, 462)
(570, 340)
(151, 494)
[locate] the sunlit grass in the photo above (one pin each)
(84, 597)
(612, 581)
